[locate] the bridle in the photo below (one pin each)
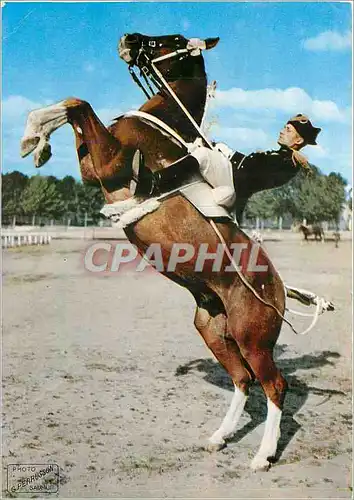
(146, 59)
(146, 62)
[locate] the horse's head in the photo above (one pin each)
(139, 50)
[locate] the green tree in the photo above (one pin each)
(311, 196)
(13, 185)
(90, 200)
(320, 198)
(68, 188)
(262, 205)
(41, 197)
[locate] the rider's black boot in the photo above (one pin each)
(171, 177)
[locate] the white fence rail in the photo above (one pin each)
(16, 239)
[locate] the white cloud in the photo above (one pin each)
(17, 106)
(318, 152)
(291, 101)
(329, 40)
(241, 137)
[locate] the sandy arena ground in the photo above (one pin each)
(107, 377)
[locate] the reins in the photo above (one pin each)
(139, 84)
(175, 97)
(161, 82)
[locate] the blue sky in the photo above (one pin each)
(273, 61)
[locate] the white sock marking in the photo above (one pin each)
(231, 419)
(271, 435)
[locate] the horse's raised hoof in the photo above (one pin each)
(42, 153)
(29, 144)
(260, 464)
(212, 447)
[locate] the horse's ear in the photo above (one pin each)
(211, 42)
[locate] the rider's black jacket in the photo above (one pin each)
(260, 171)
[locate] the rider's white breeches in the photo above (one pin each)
(216, 169)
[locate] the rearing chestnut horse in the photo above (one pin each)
(238, 328)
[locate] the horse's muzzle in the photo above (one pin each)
(128, 48)
(124, 50)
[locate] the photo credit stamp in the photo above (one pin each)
(33, 478)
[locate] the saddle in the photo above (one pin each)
(209, 201)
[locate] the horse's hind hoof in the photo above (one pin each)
(28, 144)
(213, 447)
(260, 464)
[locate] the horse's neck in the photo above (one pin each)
(191, 94)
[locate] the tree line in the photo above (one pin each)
(312, 196)
(49, 198)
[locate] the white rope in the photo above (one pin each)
(298, 313)
(244, 280)
(315, 317)
(320, 305)
(174, 96)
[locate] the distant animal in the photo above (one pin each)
(312, 230)
(336, 236)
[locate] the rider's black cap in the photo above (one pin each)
(304, 127)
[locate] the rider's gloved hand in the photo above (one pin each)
(193, 146)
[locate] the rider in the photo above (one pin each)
(241, 174)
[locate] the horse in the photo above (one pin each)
(238, 325)
(312, 230)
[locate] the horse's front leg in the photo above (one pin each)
(92, 137)
(99, 152)
(110, 186)
(41, 123)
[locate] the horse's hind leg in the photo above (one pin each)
(256, 340)
(211, 322)
(274, 386)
